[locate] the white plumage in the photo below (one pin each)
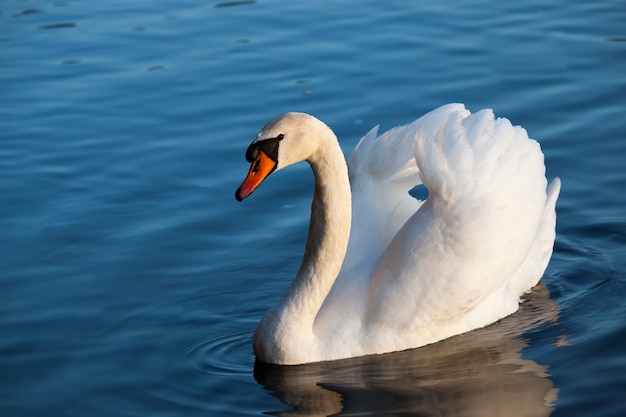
(415, 272)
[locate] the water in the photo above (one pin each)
(131, 281)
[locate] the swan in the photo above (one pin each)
(383, 271)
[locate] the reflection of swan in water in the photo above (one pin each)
(480, 373)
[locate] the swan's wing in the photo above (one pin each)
(382, 171)
(487, 198)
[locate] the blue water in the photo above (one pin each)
(131, 280)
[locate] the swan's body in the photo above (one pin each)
(383, 271)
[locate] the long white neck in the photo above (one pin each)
(292, 317)
(329, 232)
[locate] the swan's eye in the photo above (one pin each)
(280, 137)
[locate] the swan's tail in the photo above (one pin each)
(531, 271)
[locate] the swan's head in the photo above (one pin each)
(283, 141)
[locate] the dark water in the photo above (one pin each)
(130, 279)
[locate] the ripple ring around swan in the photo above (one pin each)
(228, 354)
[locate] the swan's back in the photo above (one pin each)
(462, 258)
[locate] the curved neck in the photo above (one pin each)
(329, 232)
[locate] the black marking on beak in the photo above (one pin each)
(268, 146)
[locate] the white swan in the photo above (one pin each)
(383, 271)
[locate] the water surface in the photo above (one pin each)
(130, 279)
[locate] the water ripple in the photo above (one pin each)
(226, 355)
(233, 3)
(58, 26)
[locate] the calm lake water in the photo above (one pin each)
(131, 280)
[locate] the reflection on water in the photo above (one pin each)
(480, 373)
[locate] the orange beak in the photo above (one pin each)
(262, 166)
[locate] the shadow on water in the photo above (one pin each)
(480, 373)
